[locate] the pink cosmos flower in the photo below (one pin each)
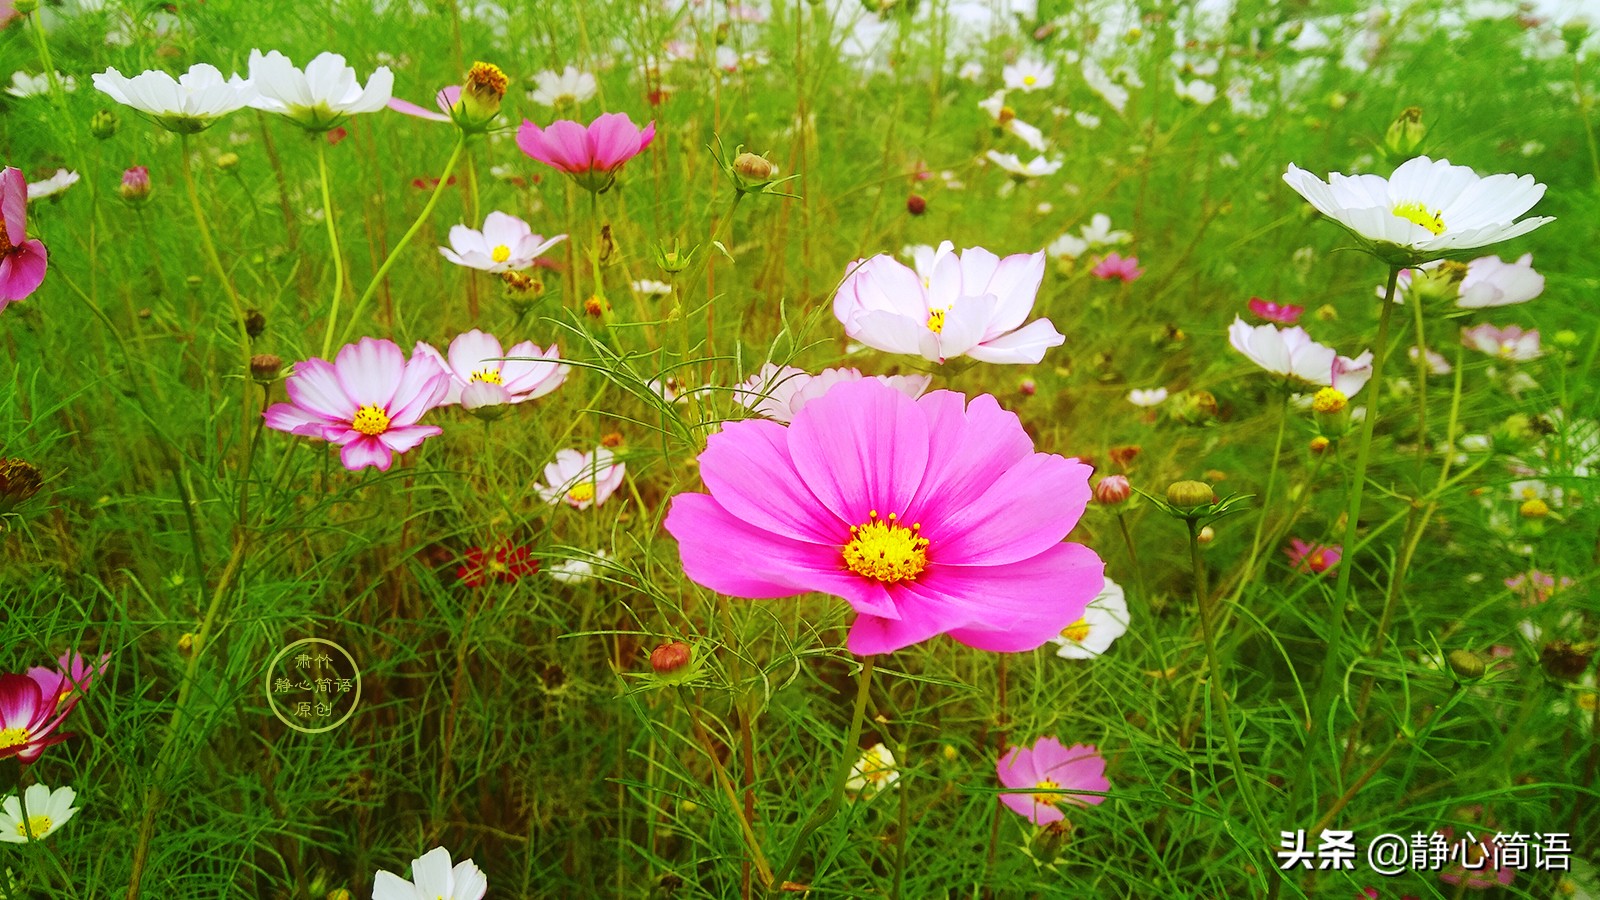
(74, 677)
(971, 303)
(582, 480)
(446, 100)
(1114, 265)
(930, 516)
(22, 260)
(590, 155)
(780, 393)
(1536, 587)
(1292, 352)
(366, 402)
(1491, 281)
(1054, 776)
(1437, 364)
(1314, 558)
(31, 710)
(522, 373)
(1281, 313)
(1476, 862)
(505, 243)
(1510, 343)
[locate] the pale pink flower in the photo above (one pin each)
(780, 393)
(366, 402)
(971, 303)
(1491, 281)
(1115, 265)
(522, 373)
(1510, 343)
(1292, 352)
(1437, 364)
(506, 243)
(22, 259)
(582, 480)
(591, 155)
(446, 100)
(1048, 776)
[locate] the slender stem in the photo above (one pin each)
(847, 759)
(210, 247)
(1266, 501)
(1421, 385)
(333, 244)
(394, 254)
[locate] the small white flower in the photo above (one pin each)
(25, 85)
(1038, 167)
(1104, 620)
(970, 71)
(1086, 119)
(189, 103)
(780, 393)
(651, 288)
(1113, 93)
(1150, 397)
(505, 243)
(320, 97)
(566, 86)
(1029, 75)
(577, 570)
(1198, 92)
(1006, 120)
(581, 480)
(872, 774)
(47, 811)
(434, 879)
(49, 187)
(524, 372)
(1099, 233)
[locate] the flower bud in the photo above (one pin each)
(1027, 387)
(595, 306)
(1533, 508)
(480, 97)
(1574, 33)
(1566, 339)
(23, 7)
(103, 125)
(670, 657)
(264, 367)
(753, 168)
(916, 205)
(1564, 660)
(254, 323)
(1319, 444)
(1332, 410)
(1466, 664)
(186, 643)
(1114, 490)
(675, 260)
(1205, 535)
(1405, 134)
(19, 480)
(1189, 494)
(135, 189)
(339, 894)
(1196, 408)
(227, 162)
(611, 439)
(1050, 840)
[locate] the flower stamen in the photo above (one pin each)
(1077, 632)
(370, 420)
(13, 737)
(1418, 214)
(886, 551)
(1048, 793)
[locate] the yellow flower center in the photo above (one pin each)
(1329, 400)
(874, 767)
(488, 376)
(39, 825)
(1316, 561)
(1417, 214)
(1030, 80)
(487, 78)
(886, 551)
(1077, 632)
(13, 737)
(936, 320)
(1006, 114)
(370, 420)
(500, 253)
(582, 492)
(1047, 793)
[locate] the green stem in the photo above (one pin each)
(394, 254)
(210, 248)
(1266, 501)
(333, 244)
(841, 775)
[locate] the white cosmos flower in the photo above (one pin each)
(1510, 343)
(1428, 209)
(1006, 120)
(1113, 93)
(1035, 168)
(779, 393)
(55, 184)
(1291, 352)
(873, 773)
(25, 85)
(578, 569)
(1028, 75)
(1104, 620)
(524, 372)
(970, 71)
(1198, 92)
(651, 288)
(47, 811)
(1150, 397)
(322, 96)
(581, 480)
(189, 103)
(505, 243)
(434, 879)
(1491, 281)
(968, 304)
(567, 86)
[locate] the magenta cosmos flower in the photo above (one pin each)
(930, 516)
(590, 155)
(22, 261)
(1281, 313)
(73, 678)
(1116, 266)
(366, 402)
(33, 706)
(1314, 558)
(1054, 776)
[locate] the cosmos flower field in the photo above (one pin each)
(697, 449)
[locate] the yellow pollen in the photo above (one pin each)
(1047, 793)
(39, 825)
(886, 551)
(1329, 400)
(1007, 114)
(13, 737)
(1030, 80)
(936, 320)
(1529, 493)
(1077, 632)
(370, 420)
(500, 253)
(581, 492)
(488, 376)
(488, 77)
(874, 768)
(1417, 214)
(1316, 561)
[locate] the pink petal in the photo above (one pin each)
(407, 437)
(1017, 606)
(861, 447)
(314, 387)
(22, 270)
(20, 700)
(1028, 509)
(969, 444)
(14, 205)
(370, 371)
(411, 109)
(748, 470)
(365, 451)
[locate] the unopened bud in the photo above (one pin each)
(675, 260)
(227, 162)
(1405, 134)
(595, 306)
(670, 657)
(1566, 339)
(135, 187)
(916, 205)
(254, 323)
(1326, 313)
(1466, 664)
(1205, 535)
(339, 894)
(1114, 490)
(1574, 33)
(264, 367)
(1189, 494)
(754, 168)
(19, 480)
(23, 7)
(1027, 387)
(1050, 840)
(611, 439)
(103, 125)
(1319, 444)
(1533, 508)
(186, 643)
(481, 96)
